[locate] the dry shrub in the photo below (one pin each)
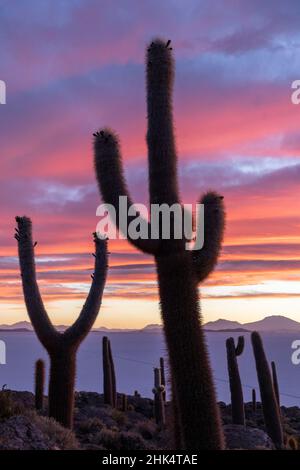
(8, 407)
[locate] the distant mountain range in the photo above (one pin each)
(276, 323)
(271, 323)
(23, 326)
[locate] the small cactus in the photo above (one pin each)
(107, 376)
(159, 404)
(39, 384)
(124, 404)
(267, 393)
(236, 390)
(113, 376)
(253, 400)
(163, 375)
(275, 382)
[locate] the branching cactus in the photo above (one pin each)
(39, 384)
(178, 269)
(275, 382)
(267, 393)
(109, 379)
(236, 390)
(159, 403)
(61, 347)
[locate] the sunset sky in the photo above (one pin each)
(77, 66)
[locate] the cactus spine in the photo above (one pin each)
(275, 382)
(179, 271)
(39, 384)
(253, 400)
(159, 404)
(268, 398)
(236, 390)
(61, 347)
(109, 378)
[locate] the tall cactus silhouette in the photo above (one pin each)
(39, 384)
(61, 347)
(178, 269)
(236, 390)
(267, 393)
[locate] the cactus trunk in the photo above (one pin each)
(198, 412)
(176, 424)
(61, 386)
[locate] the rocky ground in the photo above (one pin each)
(98, 426)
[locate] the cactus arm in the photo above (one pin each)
(205, 259)
(160, 136)
(34, 304)
(240, 346)
(112, 184)
(81, 327)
